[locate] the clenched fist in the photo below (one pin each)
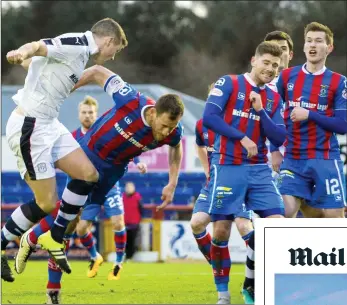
(15, 57)
(299, 114)
(255, 98)
(250, 146)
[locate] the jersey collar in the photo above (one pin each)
(93, 48)
(143, 115)
(248, 78)
(321, 71)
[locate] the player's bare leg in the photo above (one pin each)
(310, 212)
(120, 238)
(334, 213)
(291, 205)
(78, 166)
(45, 192)
(198, 223)
(244, 225)
(84, 176)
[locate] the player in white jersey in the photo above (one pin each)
(40, 142)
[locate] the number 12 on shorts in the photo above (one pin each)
(332, 186)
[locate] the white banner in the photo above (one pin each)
(288, 248)
(177, 241)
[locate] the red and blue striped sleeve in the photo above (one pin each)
(176, 135)
(220, 93)
(198, 134)
(340, 98)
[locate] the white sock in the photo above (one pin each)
(224, 294)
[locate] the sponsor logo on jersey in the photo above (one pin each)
(128, 120)
(74, 78)
(247, 115)
(220, 82)
(290, 86)
(216, 92)
(241, 96)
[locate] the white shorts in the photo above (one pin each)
(38, 144)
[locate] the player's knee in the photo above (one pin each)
(197, 225)
(90, 174)
(118, 225)
(244, 226)
(81, 228)
(221, 233)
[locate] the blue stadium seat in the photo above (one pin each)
(150, 185)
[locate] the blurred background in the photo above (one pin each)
(174, 46)
(184, 45)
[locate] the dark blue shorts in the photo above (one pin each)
(238, 188)
(202, 204)
(109, 174)
(320, 182)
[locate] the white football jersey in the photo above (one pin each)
(50, 79)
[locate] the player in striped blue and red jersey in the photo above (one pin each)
(286, 43)
(204, 139)
(315, 111)
(87, 116)
(134, 125)
(243, 112)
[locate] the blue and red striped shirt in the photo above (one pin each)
(231, 95)
(324, 92)
(78, 134)
(204, 137)
(122, 133)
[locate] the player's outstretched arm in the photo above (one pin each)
(94, 75)
(29, 50)
(175, 159)
(26, 63)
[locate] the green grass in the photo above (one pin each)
(140, 283)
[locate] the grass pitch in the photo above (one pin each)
(140, 283)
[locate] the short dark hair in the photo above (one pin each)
(109, 27)
(318, 27)
(268, 47)
(280, 35)
(171, 104)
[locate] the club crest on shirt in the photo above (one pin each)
(323, 91)
(269, 105)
